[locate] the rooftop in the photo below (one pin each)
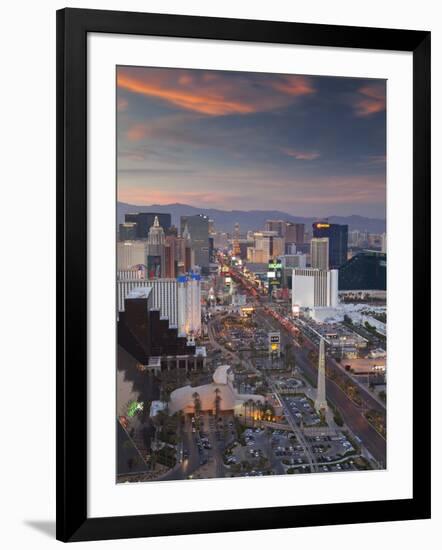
(139, 292)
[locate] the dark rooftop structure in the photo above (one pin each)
(150, 339)
(365, 271)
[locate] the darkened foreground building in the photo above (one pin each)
(149, 338)
(337, 241)
(365, 271)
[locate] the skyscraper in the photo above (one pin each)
(338, 241)
(236, 251)
(321, 401)
(171, 256)
(319, 253)
(267, 246)
(294, 233)
(156, 251)
(198, 228)
(276, 225)
(187, 252)
(145, 220)
(313, 288)
(189, 304)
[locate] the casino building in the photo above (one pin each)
(313, 288)
(219, 395)
(151, 340)
(338, 241)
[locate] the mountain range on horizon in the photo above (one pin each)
(248, 219)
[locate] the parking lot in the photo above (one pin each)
(250, 454)
(330, 450)
(302, 409)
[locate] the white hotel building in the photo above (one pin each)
(314, 288)
(189, 304)
(177, 299)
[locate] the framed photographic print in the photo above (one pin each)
(229, 193)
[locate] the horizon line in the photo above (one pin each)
(231, 211)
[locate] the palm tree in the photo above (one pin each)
(245, 404)
(197, 403)
(217, 401)
(252, 411)
(255, 411)
(269, 411)
(250, 403)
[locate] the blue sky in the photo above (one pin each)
(310, 146)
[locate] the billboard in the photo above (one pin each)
(274, 274)
(274, 343)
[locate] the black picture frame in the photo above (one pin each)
(73, 25)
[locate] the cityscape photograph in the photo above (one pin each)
(251, 274)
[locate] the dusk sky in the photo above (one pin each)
(306, 145)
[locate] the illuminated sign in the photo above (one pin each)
(274, 343)
(134, 407)
(322, 225)
(273, 265)
(271, 275)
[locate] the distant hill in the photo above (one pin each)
(248, 219)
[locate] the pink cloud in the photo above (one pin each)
(136, 132)
(294, 85)
(373, 100)
(302, 155)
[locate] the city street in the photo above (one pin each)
(352, 415)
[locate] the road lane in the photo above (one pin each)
(351, 414)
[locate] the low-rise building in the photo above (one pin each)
(219, 395)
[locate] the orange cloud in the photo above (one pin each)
(213, 94)
(136, 132)
(302, 155)
(373, 100)
(210, 103)
(294, 85)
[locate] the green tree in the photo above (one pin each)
(197, 403)
(217, 392)
(250, 403)
(245, 404)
